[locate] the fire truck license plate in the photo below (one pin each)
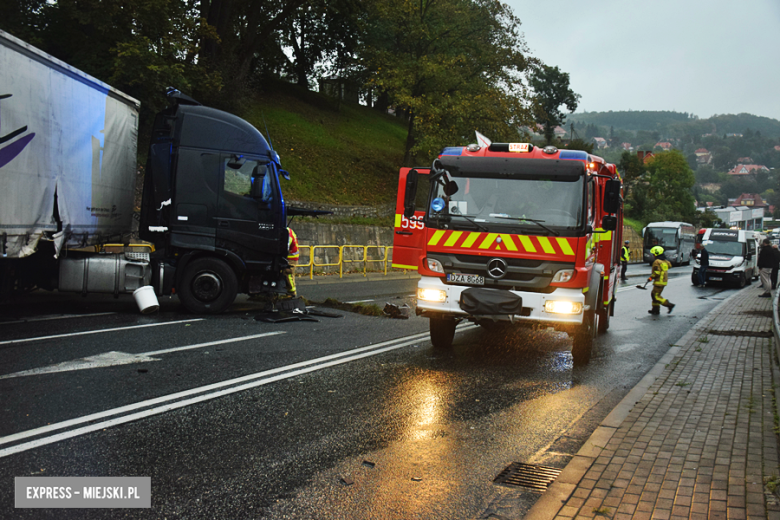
(472, 279)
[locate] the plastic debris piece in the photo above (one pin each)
(324, 314)
(396, 312)
(280, 317)
(347, 481)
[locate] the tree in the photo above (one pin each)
(24, 19)
(321, 31)
(706, 219)
(669, 182)
(551, 91)
(631, 168)
(450, 67)
(706, 174)
(579, 144)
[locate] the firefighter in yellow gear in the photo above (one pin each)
(292, 258)
(659, 278)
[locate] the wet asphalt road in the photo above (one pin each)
(352, 417)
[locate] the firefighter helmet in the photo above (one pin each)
(657, 250)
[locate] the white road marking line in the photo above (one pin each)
(114, 358)
(360, 301)
(58, 317)
(260, 378)
(41, 338)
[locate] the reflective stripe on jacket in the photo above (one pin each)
(659, 274)
(292, 246)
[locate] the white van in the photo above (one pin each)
(733, 256)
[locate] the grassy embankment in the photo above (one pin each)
(336, 153)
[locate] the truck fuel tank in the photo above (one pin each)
(105, 273)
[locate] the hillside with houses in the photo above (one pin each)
(735, 158)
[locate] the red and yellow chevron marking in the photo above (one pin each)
(488, 242)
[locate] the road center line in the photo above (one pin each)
(260, 378)
(41, 338)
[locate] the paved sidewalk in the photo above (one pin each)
(695, 439)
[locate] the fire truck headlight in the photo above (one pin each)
(434, 265)
(431, 295)
(564, 275)
(562, 307)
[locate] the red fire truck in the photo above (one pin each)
(512, 233)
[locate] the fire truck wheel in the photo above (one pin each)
(208, 286)
(694, 279)
(582, 342)
(442, 332)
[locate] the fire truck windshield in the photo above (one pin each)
(554, 202)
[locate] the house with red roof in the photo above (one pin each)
(666, 146)
(747, 169)
(751, 200)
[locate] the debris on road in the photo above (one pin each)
(399, 313)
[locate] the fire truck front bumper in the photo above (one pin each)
(560, 307)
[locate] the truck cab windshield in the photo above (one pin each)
(491, 202)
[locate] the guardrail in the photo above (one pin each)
(356, 254)
(360, 254)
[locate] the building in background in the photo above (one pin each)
(739, 217)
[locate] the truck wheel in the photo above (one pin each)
(208, 286)
(582, 342)
(442, 332)
(694, 279)
(741, 281)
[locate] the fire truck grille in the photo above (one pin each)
(520, 273)
(514, 262)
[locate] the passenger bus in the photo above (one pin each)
(677, 239)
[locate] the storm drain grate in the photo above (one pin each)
(749, 333)
(529, 476)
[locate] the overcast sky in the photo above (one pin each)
(703, 57)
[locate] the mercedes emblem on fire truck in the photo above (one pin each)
(496, 268)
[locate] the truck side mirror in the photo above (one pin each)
(410, 193)
(609, 223)
(256, 191)
(451, 188)
(612, 196)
